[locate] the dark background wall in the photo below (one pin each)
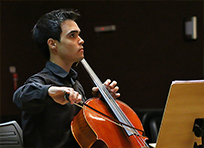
(145, 53)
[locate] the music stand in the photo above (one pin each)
(185, 103)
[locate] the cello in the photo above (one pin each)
(107, 124)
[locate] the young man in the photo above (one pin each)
(46, 114)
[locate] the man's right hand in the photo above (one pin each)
(57, 93)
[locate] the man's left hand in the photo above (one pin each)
(110, 86)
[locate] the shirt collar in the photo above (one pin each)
(57, 70)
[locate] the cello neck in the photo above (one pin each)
(108, 98)
(104, 92)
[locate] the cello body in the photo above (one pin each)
(93, 131)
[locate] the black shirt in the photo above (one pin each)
(46, 123)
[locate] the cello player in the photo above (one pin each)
(46, 114)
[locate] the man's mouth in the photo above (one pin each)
(81, 49)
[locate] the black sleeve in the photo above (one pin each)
(32, 95)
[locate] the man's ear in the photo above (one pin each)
(52, 45)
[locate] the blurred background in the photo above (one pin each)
(149, 48)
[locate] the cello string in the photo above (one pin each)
(114, 122)
(105, 93)
(99, 85)
(117, 107)
(125, 117)
(110, 120)
(97, 82)
(66, 97)
(120, 125)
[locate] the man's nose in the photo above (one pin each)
(81, 41)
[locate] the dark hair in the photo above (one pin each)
(49, 26)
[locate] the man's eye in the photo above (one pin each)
(72, 35)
